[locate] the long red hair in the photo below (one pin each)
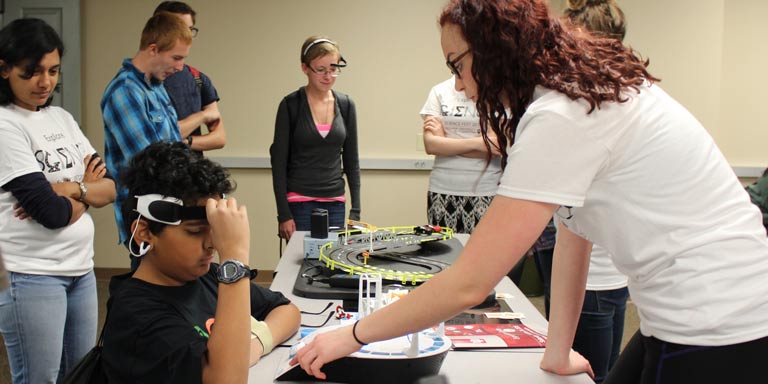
(517, 45)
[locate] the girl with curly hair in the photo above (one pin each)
(595, 141)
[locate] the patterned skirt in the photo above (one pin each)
(460, 213)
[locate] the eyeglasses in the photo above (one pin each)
(452, 64)
(333, 71)
(194, 31)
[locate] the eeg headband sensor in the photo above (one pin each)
(167, 209)
(341, 64)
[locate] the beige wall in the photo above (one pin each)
(706, 52)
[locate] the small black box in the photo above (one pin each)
(318, 224)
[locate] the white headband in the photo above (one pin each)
(318, 41)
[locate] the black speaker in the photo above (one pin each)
(318, 224)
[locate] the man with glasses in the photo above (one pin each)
(135, 106)
(193, 95)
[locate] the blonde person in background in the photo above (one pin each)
(599, 144)
(136, 108)
(192, 93)
(463, 181)
(601, 324)
(315, 144)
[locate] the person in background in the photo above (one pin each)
(315, 143)
(758, 193)
(464, 177)
(193, 95)
(600, 145)
(601, 324)
(135, 106)
(463, 182)
(181, 317)
(49, 175)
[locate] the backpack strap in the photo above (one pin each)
(343, 101)
(196, 75)
(294, 105)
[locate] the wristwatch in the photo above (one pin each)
(83, 191)
(232, 271)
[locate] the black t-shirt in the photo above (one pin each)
(159, 334)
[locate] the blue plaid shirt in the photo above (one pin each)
(136, 113)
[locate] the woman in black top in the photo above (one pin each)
(315, 134)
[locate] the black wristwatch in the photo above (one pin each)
(232, 271)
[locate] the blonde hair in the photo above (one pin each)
(318, 46)
(165, 29)
(603, 18)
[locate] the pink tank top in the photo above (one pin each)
(323, 129)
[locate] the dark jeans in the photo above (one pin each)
(600, 329)
(601, 324)
(543, 261)
(302, 212)
(648, 360)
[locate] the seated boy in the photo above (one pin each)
(180, 318)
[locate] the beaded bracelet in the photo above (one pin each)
(354, 334)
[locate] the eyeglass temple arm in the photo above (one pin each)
(341, 64)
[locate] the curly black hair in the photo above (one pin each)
(171, 169)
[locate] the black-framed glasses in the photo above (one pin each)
(334, 71)
(194, 31)
(452, 64)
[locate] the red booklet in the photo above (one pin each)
(470, 336)
(473, 329)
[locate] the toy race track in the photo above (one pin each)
(399, 254)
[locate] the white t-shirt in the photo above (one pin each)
(47, 141)
(603, 275)
(458, 175)
(644, 180)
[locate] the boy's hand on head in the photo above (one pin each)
(230, 229)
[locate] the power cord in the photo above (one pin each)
(313, 278)
(320, 312)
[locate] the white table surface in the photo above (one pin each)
(460, 367)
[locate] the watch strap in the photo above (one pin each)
(83, 191)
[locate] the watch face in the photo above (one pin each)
(229, 270)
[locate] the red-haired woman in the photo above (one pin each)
(595, 141)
